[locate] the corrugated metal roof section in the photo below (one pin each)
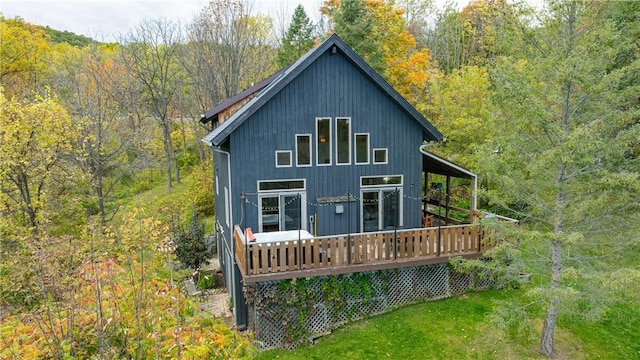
(437, 165)
(219, 135)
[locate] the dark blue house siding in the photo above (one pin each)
(330, 87)
(222, 182)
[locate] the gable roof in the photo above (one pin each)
(211, 113)
(281, 79)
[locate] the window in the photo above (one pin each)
(362, 148)
(381, 180)
(343, 141)
(283, 158)
(323, 141)
(379, 156)
(303, 150)
(277, 185)
(281, 205)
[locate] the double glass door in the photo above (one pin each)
(282, 212)
(381, 209)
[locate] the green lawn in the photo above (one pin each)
(457, 329)
(159, 202)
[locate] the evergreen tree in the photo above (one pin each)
(558, 162)
(298, 39)
(354, 23)
(191, 249)
(377, 31)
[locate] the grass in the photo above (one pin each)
(157, 201)
(457, 328)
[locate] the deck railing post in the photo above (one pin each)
(243, 198)
(299, 226)
(439, 218)
(396, 242)
(348, 228)
(246, 256)
(299, 256)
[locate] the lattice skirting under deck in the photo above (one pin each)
(386, 290)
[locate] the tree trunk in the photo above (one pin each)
(198, 143)
(174, 160)
(167, 153)
(548, 329)
(100, 195)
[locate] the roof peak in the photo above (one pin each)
(285, 76)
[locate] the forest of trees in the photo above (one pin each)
(543, 103)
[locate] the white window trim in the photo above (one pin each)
(349, 139)
(303, 188)
(355, 150)
(318, 142)
(386, 158)
(290, 158)
(310, 154)
(380, 190)
(382, 186)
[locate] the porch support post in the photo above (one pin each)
(425, 192)
(474, 194)
(448, 195)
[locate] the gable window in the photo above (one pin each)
(380, 156)
(281, 205)
(323, 141)
(283, 158)
(303, 150)
(343, 141)
(362, 148)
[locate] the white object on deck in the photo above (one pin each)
(279, 236)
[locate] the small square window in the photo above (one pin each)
(380, 156)
(283, 158)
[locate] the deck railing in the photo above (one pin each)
(357, 249)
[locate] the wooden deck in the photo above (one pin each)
(340, 254)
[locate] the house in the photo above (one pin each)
(325, 164)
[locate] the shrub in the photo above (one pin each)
(191, 249)
(201, 191)
(207, 280)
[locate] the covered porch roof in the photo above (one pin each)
(433, 164)
(437, 165)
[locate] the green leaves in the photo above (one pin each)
(297, 40)
(35, 140)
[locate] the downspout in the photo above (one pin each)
(234, 263)
(217, 149)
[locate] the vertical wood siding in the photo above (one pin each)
(330, 87)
